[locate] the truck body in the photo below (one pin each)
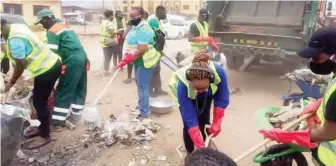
(250, 31)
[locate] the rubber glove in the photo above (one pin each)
(196, 137)
(312, 108)
(88, 65)
(128, 59)
(214, 46)
(202, 39)
(300, 138)
(218, 116)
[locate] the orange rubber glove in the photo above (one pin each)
(218, 116)
(128, 59)
(312, 108)
(300, 138)
(196, 137)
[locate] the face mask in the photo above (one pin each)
(324, 68)
(164, 17)
(136, 21)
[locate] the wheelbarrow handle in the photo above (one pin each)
(208, 137)
(266, 141)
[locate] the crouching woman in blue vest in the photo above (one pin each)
(194, 87)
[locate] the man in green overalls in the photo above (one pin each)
(154, 22)
(72, 86)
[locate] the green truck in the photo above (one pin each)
(252, 32)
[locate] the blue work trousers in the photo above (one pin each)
(143, 77)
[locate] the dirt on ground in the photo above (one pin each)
(257, 87)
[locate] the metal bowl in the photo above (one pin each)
(161, 106)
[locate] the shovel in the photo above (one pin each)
(92, 112)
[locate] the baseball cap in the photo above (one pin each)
(323, 40)
(43, 13)
(203, 11)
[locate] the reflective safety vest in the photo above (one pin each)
(204, 32)
(104, 33)
(327, 150)
(180, 75)
(115, 26)
(41, 58)
(152, 56)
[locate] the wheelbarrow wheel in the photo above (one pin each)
(287, 160)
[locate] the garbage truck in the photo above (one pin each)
(257, 32)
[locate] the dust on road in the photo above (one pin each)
(258, 88)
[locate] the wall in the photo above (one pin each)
(27, 7)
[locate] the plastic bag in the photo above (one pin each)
(12, 125)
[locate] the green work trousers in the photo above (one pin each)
(71, 90)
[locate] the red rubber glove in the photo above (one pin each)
(218, 116)
(196, 137)
(301, 138)
(128, 59)
(204, 39)
(312, 108)
(214, 46)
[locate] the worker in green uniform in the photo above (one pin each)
(72, 86)
(199, 32)
(28, 52)
(154, 22)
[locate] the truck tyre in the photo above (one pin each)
(234, 59)
(297, 157)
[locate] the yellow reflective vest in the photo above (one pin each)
(204, 32)
(104, 33)
(180, 75)
(41, 58)
(327, 150)
(152, 56)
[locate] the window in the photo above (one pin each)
(37, 8)
(125, 2)
(132, 1)
(12, 8)
(185, 7)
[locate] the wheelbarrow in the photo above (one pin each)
(279, 154)
(308, 90)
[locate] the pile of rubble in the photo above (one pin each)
(131, 133)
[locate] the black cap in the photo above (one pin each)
(323, 40)
(203, 11)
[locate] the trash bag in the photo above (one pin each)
(13, 120)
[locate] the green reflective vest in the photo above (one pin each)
(180, 75)
(327, 150)
(2, 55)
(41, 59)
(152, 56)
(204, 32)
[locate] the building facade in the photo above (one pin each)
(29, 8)
(181, 7)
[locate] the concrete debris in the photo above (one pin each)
(43, 159)
(162, 158)
(21, 155)
(31, 160)
(143, 162)
(128, 133)
(146, 148)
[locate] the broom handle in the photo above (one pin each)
(106, 87)
(266, 141)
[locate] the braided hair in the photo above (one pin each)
(201, 60)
